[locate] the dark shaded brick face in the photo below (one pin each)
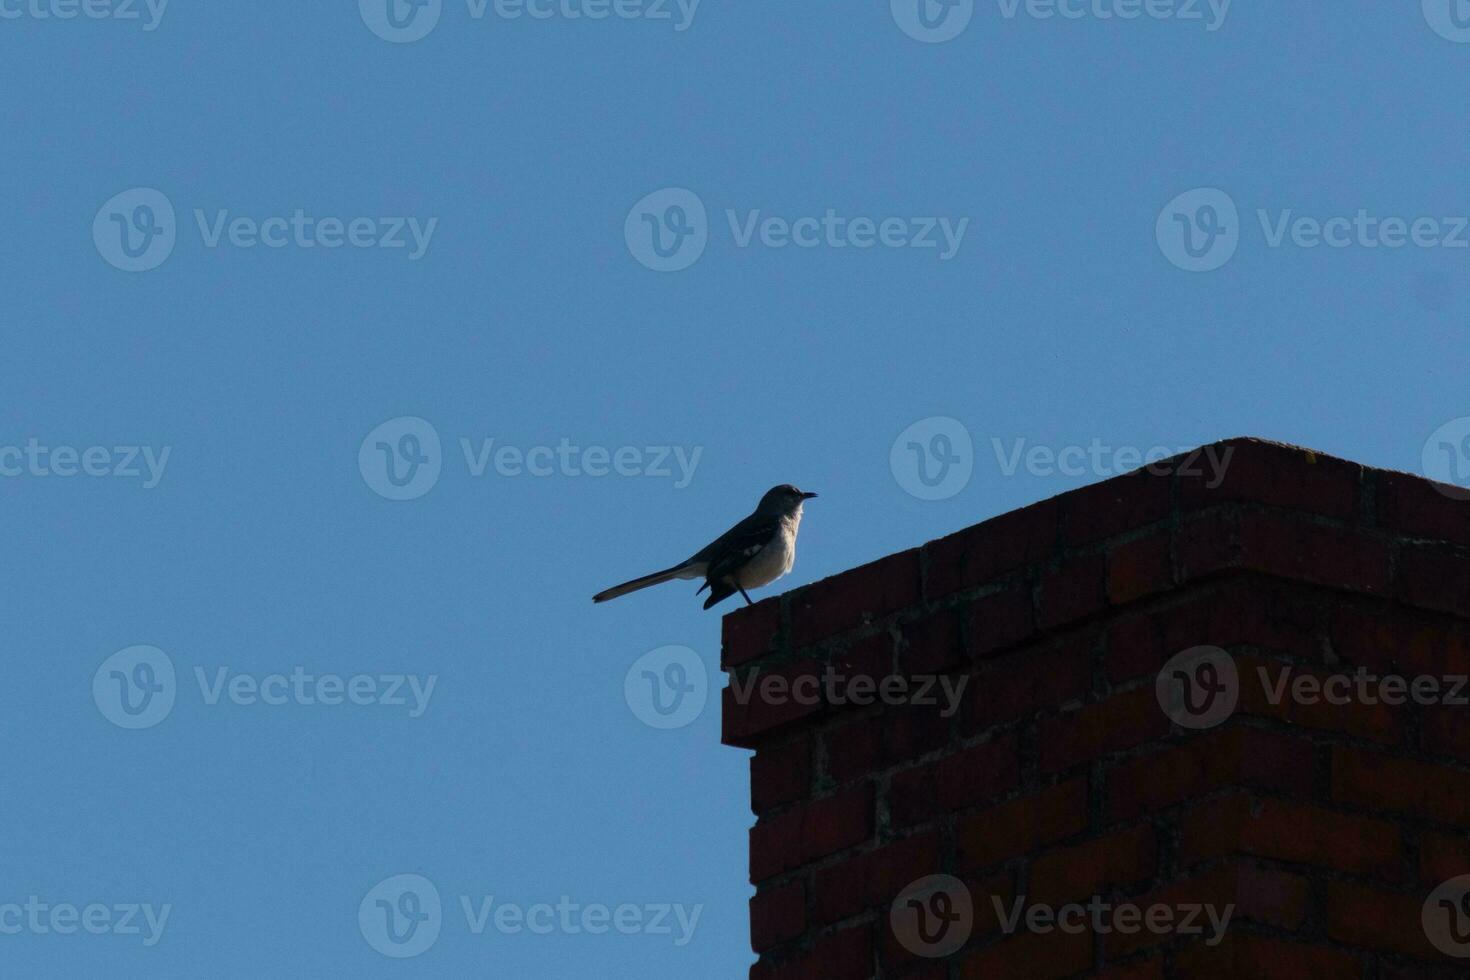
(1157, 728)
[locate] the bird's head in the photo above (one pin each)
(784, 499)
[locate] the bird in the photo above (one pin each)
(755, 552)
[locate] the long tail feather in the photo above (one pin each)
(638, 583)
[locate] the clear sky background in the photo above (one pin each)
(1063, 319)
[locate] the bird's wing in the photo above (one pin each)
(738, 545)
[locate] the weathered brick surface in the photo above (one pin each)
(1056, 776)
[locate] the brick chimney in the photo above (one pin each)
(1164, 692)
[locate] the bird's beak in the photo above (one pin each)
(807, 496)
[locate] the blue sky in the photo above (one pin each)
(346, 247)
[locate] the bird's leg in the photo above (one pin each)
(746, 597)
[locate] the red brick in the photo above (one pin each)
(1265, 958)
(1302, 699)
(777, 915)
(1139, 568)
(1446, 731)
(932, 644)
(854, 749)
(1274, 474)
(1115, 506)
(1121, 722)
(1083, 870)
(986, 551)
(1022, 825)
(969, 777)
(749, 632)
(781, 773)
(1033, 955)
(1363, 916)
(846, 954)
(899, 961)
(872, 656)
(1399, 785)
(977, 774)
(1280, 545)
(872, 880)
(1423, 509)
(1443, 856)
(854, 598)
(1250, 609)
(1147, 970)
(1074, 590)
(1221, 758)
(809, 831)
(1029, 680)
(753, 712)
(1391, 640)
(1272, 898)
(1433, 579)
(1419, 971)
(1000, 620)
(1290, 831)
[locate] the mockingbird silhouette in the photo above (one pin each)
(755, 552)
